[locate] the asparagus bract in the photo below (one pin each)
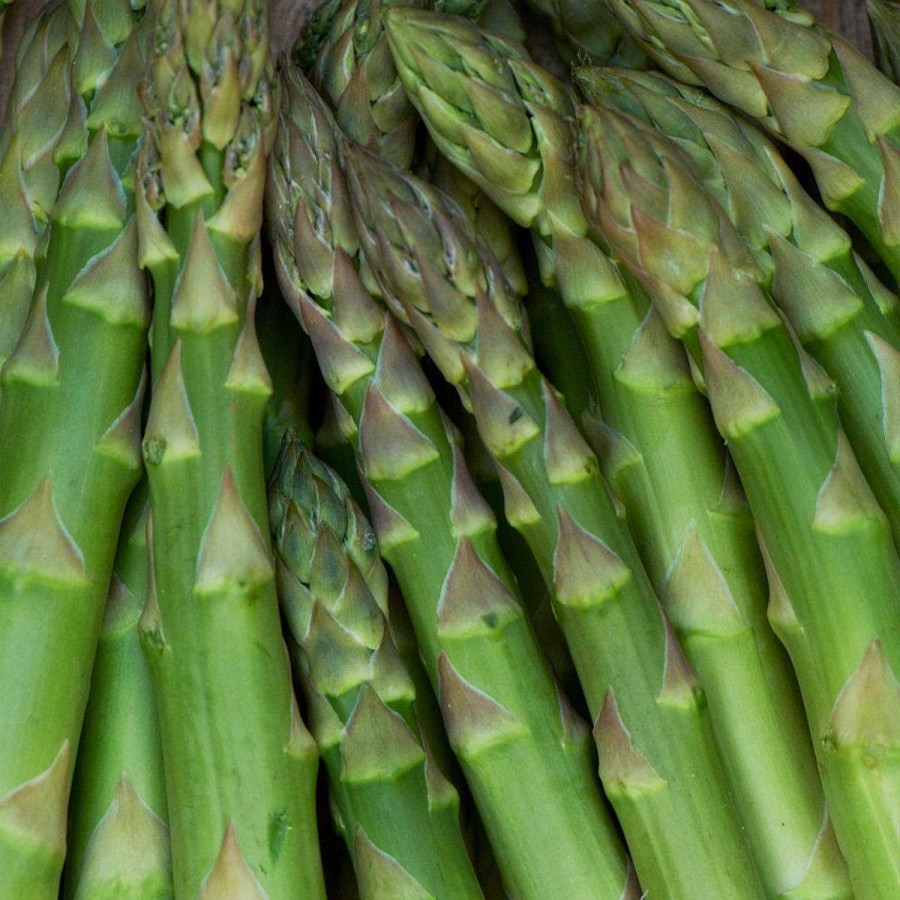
(118, 837)
(817, 280)
(884, 19)
(396, 811)
(240, 765)
(70, 405)
(657, 442)
(651, 728)
(520, 746)
(809, 87)
(832, 565)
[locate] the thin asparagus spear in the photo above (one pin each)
(817, 281)
(118, 838)
(70, 403)
(240, 765)
(29, 180)
(496, 230)
(521, 748)
(397, 812)
(658, 761)
(832, 565)
(809, 87)
(71, 79)
(658, 446)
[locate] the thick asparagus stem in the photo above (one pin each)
(832, 564)
(71, 393)
(240, 765)
(652, 746)
(506, 722)
(118, 837)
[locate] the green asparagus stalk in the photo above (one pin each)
(658, 447)
(809, 87)
(884, 20)
(496, 230)
(395, 809)
(817, 281)
(70, 392)
(240, 765)
(658, 761)
(118, 837)
(832, 564)
(520, 746)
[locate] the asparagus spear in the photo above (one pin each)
(832, 564)
(395, 809)
(521, 748)
(807, 86)
(658, 762)
(884, 19)
(497, 231)
(71, 79)
(71, 393)
(240, 765)
(118, 837)
(658, 447)
(29, 181)
(818, 282)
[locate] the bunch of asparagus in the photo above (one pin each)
(580, 359)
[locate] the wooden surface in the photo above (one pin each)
(846, 16)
